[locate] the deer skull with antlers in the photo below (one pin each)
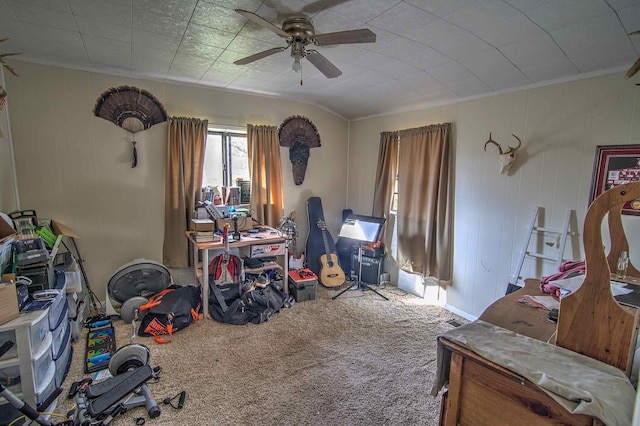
(506, 157)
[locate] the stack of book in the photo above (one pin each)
(203, 236)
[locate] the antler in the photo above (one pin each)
(514, 149)
(493, 142)
(511, 149)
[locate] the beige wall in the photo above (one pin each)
(560, 126)
(8, 196)
(76, 168)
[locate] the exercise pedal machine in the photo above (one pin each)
(99, 403)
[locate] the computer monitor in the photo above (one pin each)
(362, 228)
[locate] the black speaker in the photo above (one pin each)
(372, 267)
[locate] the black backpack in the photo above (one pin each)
(169, 311)
(254, 306)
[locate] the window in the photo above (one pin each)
(226, 166)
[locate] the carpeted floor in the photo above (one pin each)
(356, 360)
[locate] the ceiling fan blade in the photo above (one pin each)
(633, 70)
(364, 35)
(323, 64)
(255, 57)
(262, 22)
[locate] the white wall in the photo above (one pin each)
(76, 168)
(560, 126)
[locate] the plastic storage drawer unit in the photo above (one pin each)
(60, 337)
(40, 363)
(63, 363)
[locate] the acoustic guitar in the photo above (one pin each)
(331, 275)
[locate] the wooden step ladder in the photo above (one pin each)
(535, 228)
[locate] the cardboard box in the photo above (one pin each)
(202, 224)
(8, 301)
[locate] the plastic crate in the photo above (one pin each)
(303, 291)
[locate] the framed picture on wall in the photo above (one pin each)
(616, 165)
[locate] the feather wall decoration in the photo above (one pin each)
(132, 109)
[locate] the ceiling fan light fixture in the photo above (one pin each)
(297, 66)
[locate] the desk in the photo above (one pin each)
(270, 236)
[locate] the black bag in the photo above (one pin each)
(170, 310)
(254, 306)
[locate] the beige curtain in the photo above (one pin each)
(265, 168)
(183, 181)
(425, 201)
(385, 180)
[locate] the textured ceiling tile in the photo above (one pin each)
(159, 24)
(250, 5)
(427, 58)
(602, 34)
(450, 73)
(563, 13)
(102, 11)
(371, 60)
(59, 45)
(223, 72)
(205, 53)
(328, 21)
(400, 48)
(107, 51)
(508, 31)
(90, 26)
(495, 70)
(454, 42)
(249, 46)
(622, 4)
(188, 67)
(467, 88)
(37, 15)
(122, 2)
(363, 10)
(405, 20)
(218, 17)
(395, 69)
(542, 49)
(229, 56)
(524, 5)
(440, 7)
(346, 52)
(157, 41)
(179, 9)
(545, 70)
(200, 34)
(421, 81)
(630, 18)
(146, 59)
(59, 5)
(479, 15)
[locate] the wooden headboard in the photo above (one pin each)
(591, 322)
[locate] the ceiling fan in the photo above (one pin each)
(298, 32)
